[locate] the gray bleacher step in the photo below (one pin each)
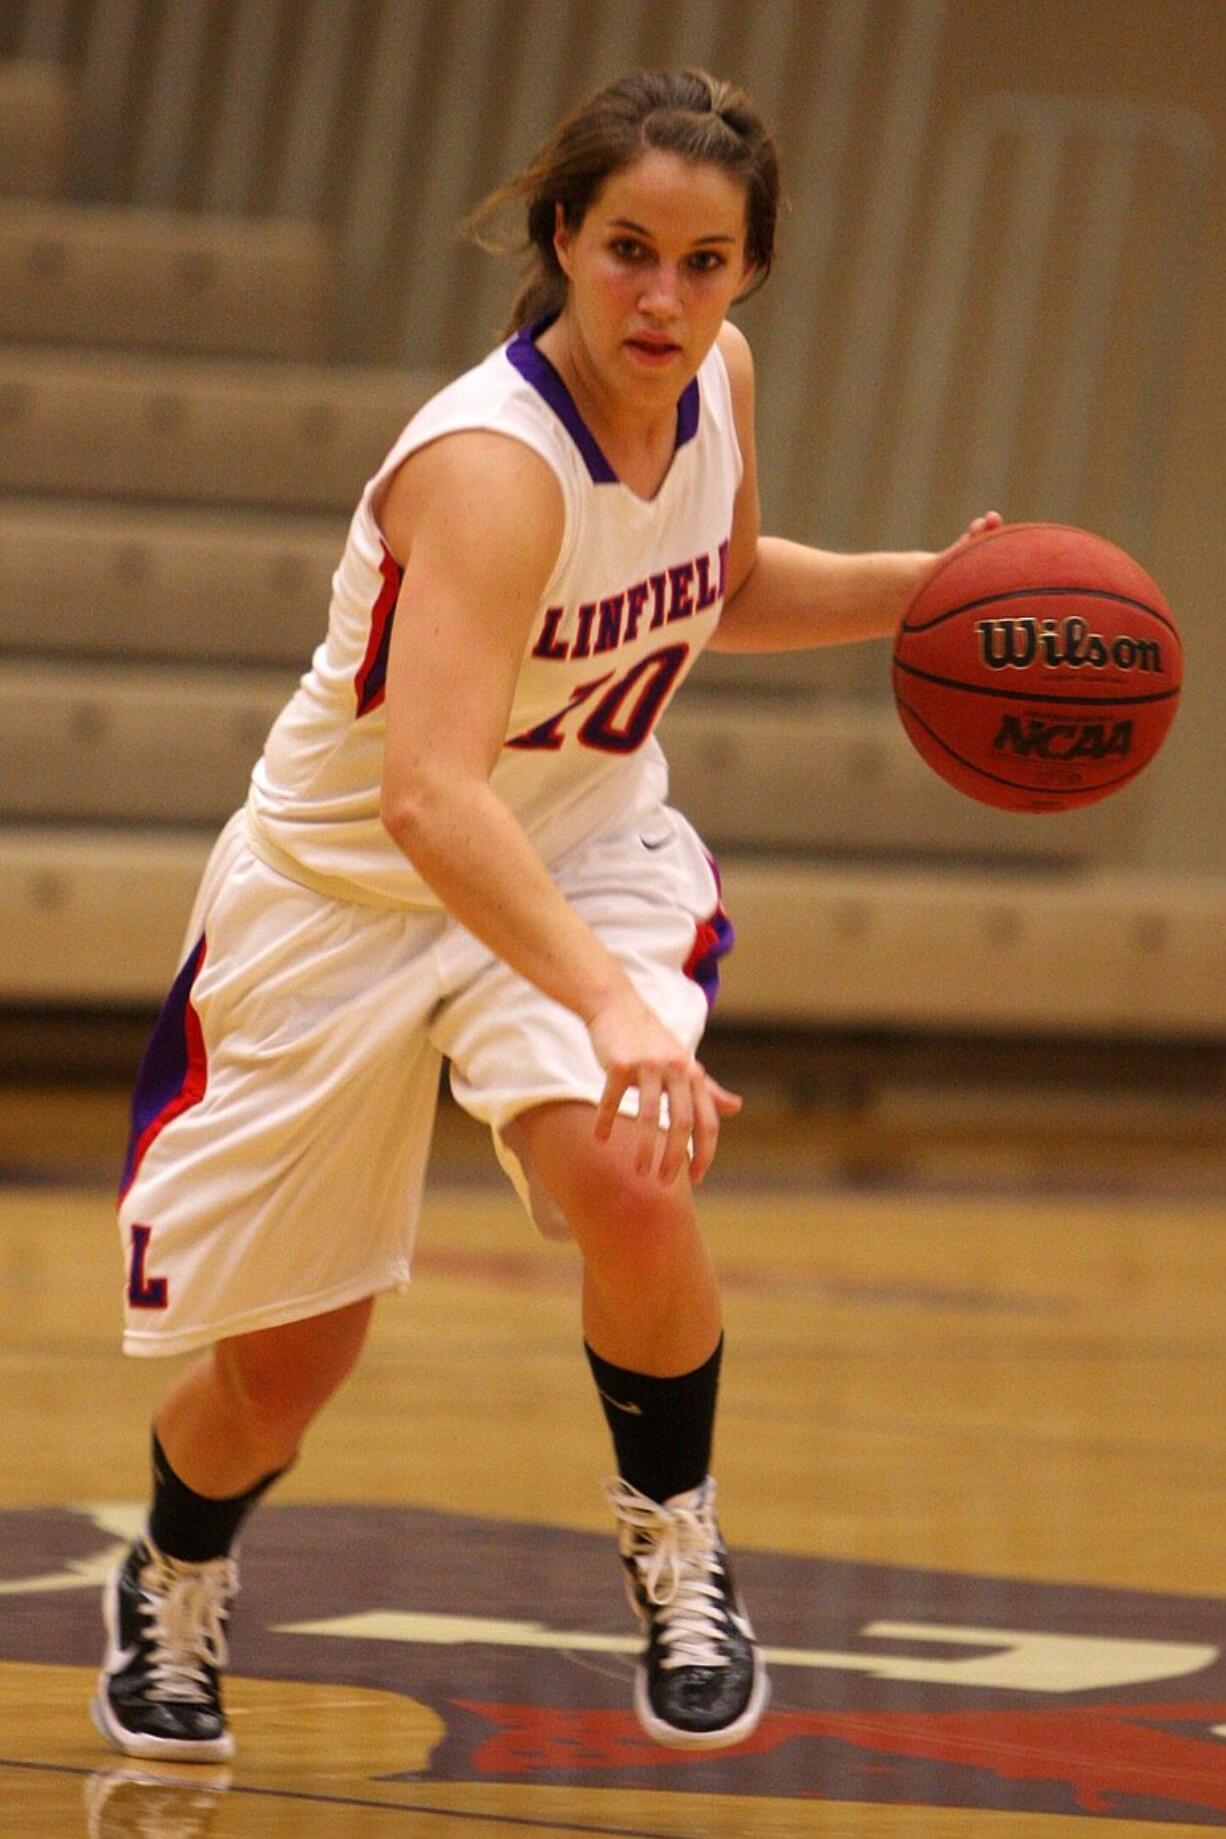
(112, 581)
(1091, 952)
(109, 745)
(201, 431)
(94, 917)
(762, 772)
(90, 917)
(98, 275)
(176, 744)
(195, 582)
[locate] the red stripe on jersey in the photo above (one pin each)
(370, 683)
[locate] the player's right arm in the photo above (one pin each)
(476, 520)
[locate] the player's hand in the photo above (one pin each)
(915, 567)
(635, 1049)
(979, 526)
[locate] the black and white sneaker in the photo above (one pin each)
(159, 1694)
(701, 1683)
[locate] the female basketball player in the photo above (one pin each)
(457, 845)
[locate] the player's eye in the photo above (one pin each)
(627, 249)
(706, 261)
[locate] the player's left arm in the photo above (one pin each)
(785, 596)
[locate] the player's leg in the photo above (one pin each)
(281, 1127)
(651, 1300)
(225, 1432)
(239, 1412)
(526, 1066)
(651, 1319)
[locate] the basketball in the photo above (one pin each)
(1037, 668)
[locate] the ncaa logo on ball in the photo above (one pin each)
(1030, 737)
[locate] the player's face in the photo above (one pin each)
(651, 272)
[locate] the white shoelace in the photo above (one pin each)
(185, 1608)
(675, 1551)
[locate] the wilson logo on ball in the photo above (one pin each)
(1015, 644)
(1029, 737)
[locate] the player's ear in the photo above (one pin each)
(563, 236)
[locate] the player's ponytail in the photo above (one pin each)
(686, 112)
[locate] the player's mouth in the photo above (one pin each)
(652, 349)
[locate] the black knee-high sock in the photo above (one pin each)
(193, 1527)
(662, 1428)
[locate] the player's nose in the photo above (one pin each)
(662, 293)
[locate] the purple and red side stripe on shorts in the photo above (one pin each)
(174, 1070)
(714, 938)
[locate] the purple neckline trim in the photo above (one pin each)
(535, 368)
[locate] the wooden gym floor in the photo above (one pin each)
(972, 1457)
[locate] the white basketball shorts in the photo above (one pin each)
(283, 1111)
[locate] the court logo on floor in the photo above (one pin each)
(513, 1648)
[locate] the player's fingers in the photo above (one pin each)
(726, 1103)
(681, 1111)
(616, 1084)
(651, 1085)
(706, 1131)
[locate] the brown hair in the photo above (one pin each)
(685, 112)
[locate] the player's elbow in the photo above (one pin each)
(423, 810)
(404, 811)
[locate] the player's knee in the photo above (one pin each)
(613, 1209)
(626, 1214)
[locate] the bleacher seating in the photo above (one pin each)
(194, 430)
(79, 274)
(178, 459)
(168, 583)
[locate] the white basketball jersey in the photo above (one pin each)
(635, 594)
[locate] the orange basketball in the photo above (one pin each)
(1038, 668)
